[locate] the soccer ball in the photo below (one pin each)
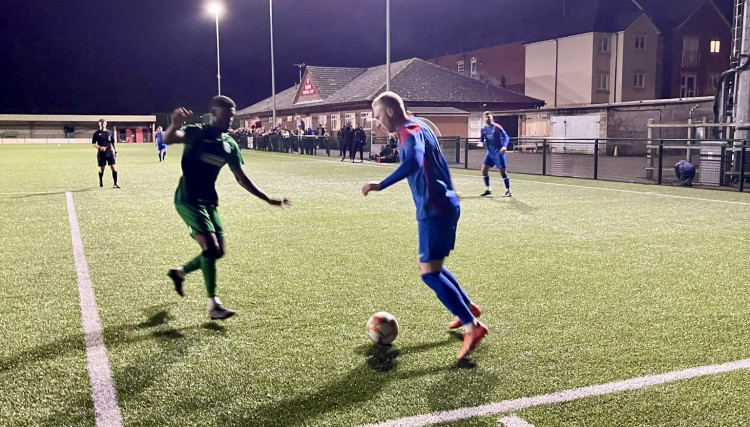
(382, 328)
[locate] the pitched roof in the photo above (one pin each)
(668, 15)
(414, 79)
(329, 80)
(584, 16)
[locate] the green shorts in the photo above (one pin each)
(201, 219)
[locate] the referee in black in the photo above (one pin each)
(106, 151)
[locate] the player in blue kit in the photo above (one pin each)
(438, 210)
(160, 145)
(497, 142)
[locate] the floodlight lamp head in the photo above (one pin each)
(215, 8)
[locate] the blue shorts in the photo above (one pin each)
(497, 160)
(161, 147)
(437, 237)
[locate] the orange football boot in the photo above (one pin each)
(475, 310)
(472, 339)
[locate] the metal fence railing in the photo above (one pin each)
(719, 164)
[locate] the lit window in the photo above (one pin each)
(460, 66)
(473, 67)
(715, 46)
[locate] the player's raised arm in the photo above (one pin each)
(246, 183)
(173, 134)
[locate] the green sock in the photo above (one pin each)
(208, 266)
(193, 264)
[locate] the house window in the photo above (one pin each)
(334, 122)
(603, 82)
(460, 66)
(604, 45)
(349, 119)
(473, 67)
(687, 86)
(715, 46)
(690, 57)
(639, 80)
(640, 42)
(322, 121)
(365, 120)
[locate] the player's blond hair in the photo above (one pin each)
(391, 99)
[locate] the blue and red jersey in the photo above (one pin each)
(495, 137)
(426, 170)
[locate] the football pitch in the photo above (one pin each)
(583, 283)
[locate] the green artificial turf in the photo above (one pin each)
(582, 283)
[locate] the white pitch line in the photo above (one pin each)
(514, 421)
(100, 376)
(563, 396)
(641, 193)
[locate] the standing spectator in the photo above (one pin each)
(358, 142)
(349, 140)
(342, 141)
(105, 142)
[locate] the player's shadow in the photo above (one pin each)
(359, 385)
(521, 206)
(171, 345)
(51, 193)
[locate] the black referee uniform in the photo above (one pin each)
(104, 138)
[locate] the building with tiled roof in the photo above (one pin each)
(334, 96)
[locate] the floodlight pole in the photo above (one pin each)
(388, 45)
(273, 74)
(218, 56)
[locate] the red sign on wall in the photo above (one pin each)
(308, 88)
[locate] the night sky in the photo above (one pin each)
(148, 56)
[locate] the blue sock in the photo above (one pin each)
(448, 275)
(506, 180)
(449, 296)
(486, 180)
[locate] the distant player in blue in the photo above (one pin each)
(160, 145)
(685, 172)
(438, 210)
(497, 142)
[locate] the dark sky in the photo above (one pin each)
(147, 56)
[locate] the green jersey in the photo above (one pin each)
(204, 156)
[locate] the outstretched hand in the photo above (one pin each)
(373, 186)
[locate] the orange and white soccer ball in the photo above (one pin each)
(382, 328)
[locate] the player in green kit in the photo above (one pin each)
(207, 149)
